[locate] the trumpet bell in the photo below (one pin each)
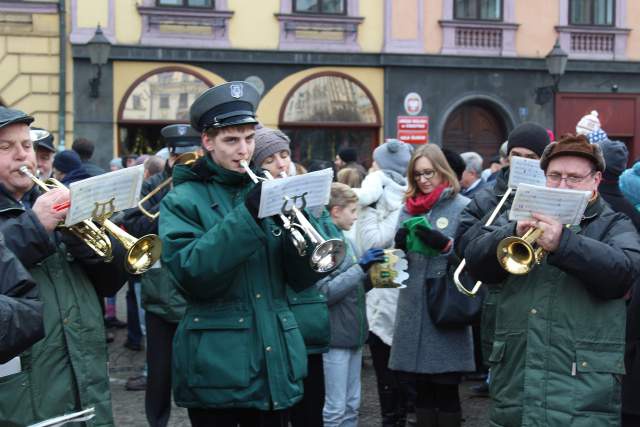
(143, 254)
(328, 255)
(516, 255)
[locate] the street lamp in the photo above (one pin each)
(99, 48)
(556, 65)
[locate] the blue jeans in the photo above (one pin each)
(342, 369)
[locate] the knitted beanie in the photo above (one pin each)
(269, 142)
(528, 135)
(66, 161)
(630, 184)
(393, 155)
(588, 123)
(348, 155)
(455, 161)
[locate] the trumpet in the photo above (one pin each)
(463, 263)
(518, 255)
(183, 159)
(326, 254)
(141, 254)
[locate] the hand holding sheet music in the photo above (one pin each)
(566, 206)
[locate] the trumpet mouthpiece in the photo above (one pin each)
(24, 170)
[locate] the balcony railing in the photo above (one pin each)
(478, 38)
(592, 43)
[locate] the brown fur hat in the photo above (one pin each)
(573, 145)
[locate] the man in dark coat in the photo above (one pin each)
(559, 334)
(164, 305)
(20, 309)
(84, 148)
(67, 369)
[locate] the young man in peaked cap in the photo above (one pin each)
(238, 356)
(45, 151)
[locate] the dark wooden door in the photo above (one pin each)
(474, 127)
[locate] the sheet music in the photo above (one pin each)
(566, 206)
(525, 171)
(122, 185)
(74, 417)
(315, 187)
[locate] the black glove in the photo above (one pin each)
(370, 257)
(401, 239)
(252, 201)
(432, 238)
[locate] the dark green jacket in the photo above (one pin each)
(238, 344)
(560, 330)
(66, 370)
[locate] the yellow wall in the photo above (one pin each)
(371, 31)
(633, 21)
(93, 12)
(126, 73)
(128, 22)
(404, 22)
(432, 29)
(253, 25)
(29, 60)
(272, 101)
(536, 34)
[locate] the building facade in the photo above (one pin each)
(334, 73)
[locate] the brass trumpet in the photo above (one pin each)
(142, 253)
(518, 255)
(463, 263)
(183, 159)
(326, 254)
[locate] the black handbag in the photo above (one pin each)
(448, 307)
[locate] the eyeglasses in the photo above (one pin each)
(426, 174)
(556, 178)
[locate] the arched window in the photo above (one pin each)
(326, 112)
(156, 99)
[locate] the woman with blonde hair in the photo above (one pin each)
(434, 356)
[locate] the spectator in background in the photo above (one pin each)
(129, 160)
(348, 158)
(489, 174)
(616, 156)
(471, 180)
(43, 143)
(630, 184)
(67, 167)
(84, 148)
(350, 177)
(115, 164)
(153, 165)
(455, 161)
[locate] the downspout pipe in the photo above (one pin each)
(62, 74)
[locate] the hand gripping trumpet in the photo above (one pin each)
(326, 254)
(142, 253)
(463, 263)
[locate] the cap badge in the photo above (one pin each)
(182, 130)
(236, 91)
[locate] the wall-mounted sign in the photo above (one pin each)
(413, 129)
(413, 104)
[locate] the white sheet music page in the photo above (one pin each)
(122, 186)
(525, 171)
(566, 206)
(314, 187)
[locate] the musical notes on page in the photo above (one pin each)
(313, 188)
(525, 171)
(566, 206)
(113, 191)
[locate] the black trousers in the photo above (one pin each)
(392, 401)
(157, 399)
(308, 412)
(237, 417)
(436, 394)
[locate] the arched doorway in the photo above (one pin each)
(326, 112)
(155, 100)
(475, 126)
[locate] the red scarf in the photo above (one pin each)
(421, 203)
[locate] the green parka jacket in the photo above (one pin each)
(560, 330)
(238, 344)
(65, 371)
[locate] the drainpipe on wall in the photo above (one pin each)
(62, 77)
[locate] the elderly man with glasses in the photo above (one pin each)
(559, 342)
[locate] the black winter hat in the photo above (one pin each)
(348, 155)
(529, 135)
(616, 156)
(455, 161)
(66, 161)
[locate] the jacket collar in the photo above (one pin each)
(502, 181)
(593, 209)
(205, 169)
(7, 202)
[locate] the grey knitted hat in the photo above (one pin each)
(269, 142)
(393, 155)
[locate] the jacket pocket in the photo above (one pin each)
(219, 350)
(16, 399)
(312, 315)
(597, 386)
(294, 343)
